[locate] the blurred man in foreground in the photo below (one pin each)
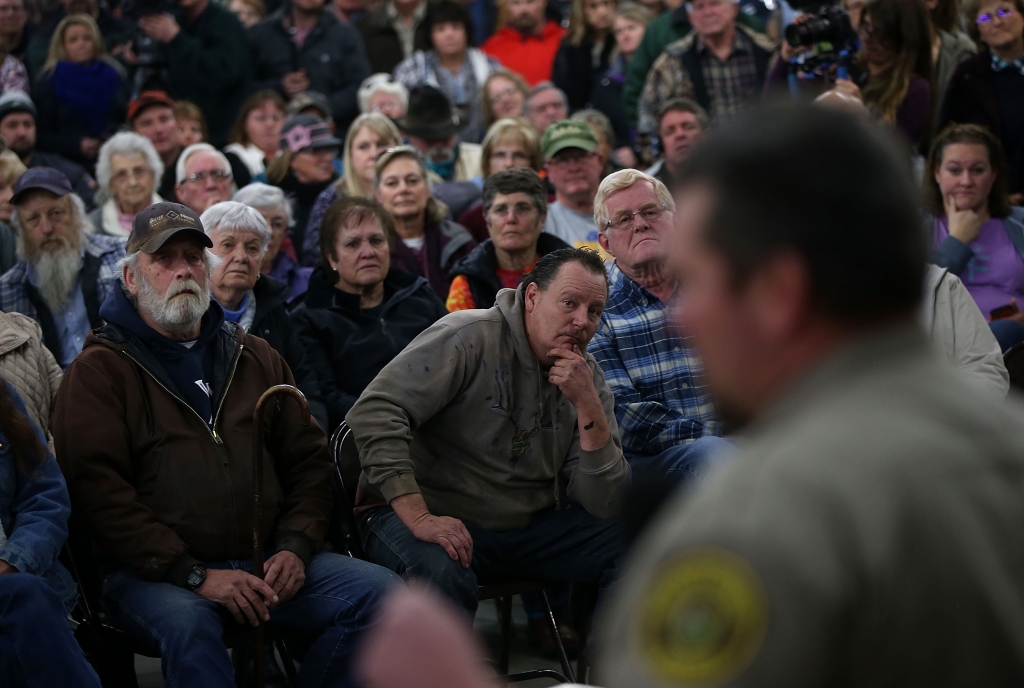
(868, 533)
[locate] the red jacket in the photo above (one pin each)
(531, 56)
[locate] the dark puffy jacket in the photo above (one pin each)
(574, 71)
(158, 488)
(445, 243)
(383, 46)
(481, 268)
(332, 55)
(347, 347)
(208, 64)
(271, 322)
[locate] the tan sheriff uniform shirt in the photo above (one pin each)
(871, 533)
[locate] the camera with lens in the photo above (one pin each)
(151, 69)
(830, 25)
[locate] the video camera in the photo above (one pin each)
(834, 40)
(151, 70)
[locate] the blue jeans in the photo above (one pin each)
(565, 545)
(1008, 333)
(683, 462)
(338, 600)
(37, 647)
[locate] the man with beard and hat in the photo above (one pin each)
(153, 428)
(432, 126)
(64, 272)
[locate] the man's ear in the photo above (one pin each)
(602, 240)
(130, 281)
(780, 293)
(530, 297)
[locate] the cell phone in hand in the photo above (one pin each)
(1001, 312)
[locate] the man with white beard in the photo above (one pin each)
(64, 272)
(153, 428)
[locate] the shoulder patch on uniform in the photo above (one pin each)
(702, 618)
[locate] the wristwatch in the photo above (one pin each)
(196, 577)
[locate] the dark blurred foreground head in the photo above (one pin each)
(798, 229)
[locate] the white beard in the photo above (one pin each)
(173, 310)
(56, 271)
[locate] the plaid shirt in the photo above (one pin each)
(14, 284)
(732, 85)
(660, 397)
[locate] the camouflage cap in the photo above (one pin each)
(569, 133)
(159, 222)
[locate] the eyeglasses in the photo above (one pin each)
(502, 95)
(627, 219)
(1002, 13)
(519, 210)
(215, 175)
(134, 173)
(572, 156)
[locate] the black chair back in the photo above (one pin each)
(1014, 361)
(346, 472)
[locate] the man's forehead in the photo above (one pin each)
(641, 191)
(182, 242)
(38, 199)
(574, 277)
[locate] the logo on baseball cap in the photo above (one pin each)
(159, 222)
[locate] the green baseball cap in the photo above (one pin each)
(569, 133)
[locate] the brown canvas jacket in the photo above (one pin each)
(160, 490)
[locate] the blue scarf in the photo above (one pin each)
(88, 91)
(999, 64)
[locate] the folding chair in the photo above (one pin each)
(346, 479)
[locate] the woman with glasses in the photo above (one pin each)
(360, 311)
(509, 143)
(515, 205)
(427, 244)
(503, 95)
(378, 93)
(988, 88)
(370, 135)
(127, 171)
(305, 167)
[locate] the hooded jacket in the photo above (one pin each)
(466, 416)
(346, 346)
(481, 268)
(28, 365)
(158, 488)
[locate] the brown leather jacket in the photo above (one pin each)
(160, 490)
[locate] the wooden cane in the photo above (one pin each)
(257, 501)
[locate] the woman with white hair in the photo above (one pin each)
(128, 171)
(279, 260)
(240, 237)
(380, 93)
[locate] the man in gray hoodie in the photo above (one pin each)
(489, 445)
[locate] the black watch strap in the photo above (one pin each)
(196, 577)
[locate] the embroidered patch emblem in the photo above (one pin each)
(173, 215)
(702, 620)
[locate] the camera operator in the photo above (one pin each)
(207, 57)
(890, 74)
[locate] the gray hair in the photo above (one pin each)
(516, 180)
(624, 179)
(596, 119)
(380, 82)
(232, 215)
(265, 197)
(192, 150)
(131, 261)
(127, 143)
(546, 86)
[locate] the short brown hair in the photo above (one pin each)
(257, 99)
(185, 111)
(972, 8)
(998, 198)
(347, 213)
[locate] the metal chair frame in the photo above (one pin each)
(345, 456)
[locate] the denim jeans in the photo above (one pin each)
(564, 545)
(1007, 332)
(37, 647)
(683, 462)
(338, 599)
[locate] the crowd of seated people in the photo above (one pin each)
(448, 224)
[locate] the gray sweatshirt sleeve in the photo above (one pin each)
(598, 479)
(414, 386)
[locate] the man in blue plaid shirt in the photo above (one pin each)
(665, 415)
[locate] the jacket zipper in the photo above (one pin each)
(212, 429)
